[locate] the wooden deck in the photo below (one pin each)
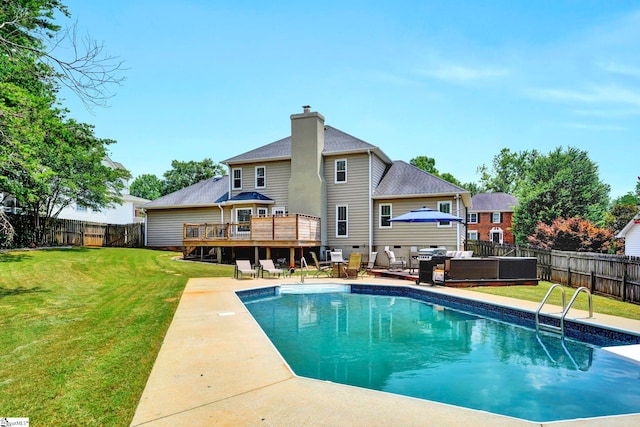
(281, 231)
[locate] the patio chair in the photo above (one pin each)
(394, 263)
(354, 265)
(321, 269)
(243, 267)
(268, 266)
(370, 264)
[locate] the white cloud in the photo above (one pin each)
(464, 74)
(588, 126)
(593, 95)
(621, 69)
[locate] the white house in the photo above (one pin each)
(631, 235)
(127, 213)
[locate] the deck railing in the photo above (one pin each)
(270, 228)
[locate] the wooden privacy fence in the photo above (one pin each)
(617, 276)
(81, 233)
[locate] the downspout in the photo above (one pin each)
(146, 232)
(221, 213)
(458, 225)
(370, 229)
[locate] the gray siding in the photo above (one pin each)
(354, 194)
(164, 227)
(277, 181)
(407, 235)
(378, 170)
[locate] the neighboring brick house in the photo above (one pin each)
(318, 189)
(490, 217)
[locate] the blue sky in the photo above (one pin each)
(453, 80)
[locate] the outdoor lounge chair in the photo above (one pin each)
(268, 266)
(370, 264)
(354, 265)
(321, 269)
(394, 263)
(243, 267)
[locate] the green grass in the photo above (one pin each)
(600, 304)
(81, 329)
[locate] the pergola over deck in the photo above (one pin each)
(279, 231)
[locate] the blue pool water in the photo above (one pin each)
(414, 348)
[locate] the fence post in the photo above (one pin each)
(569, 271)
(592, 281)
(624, 283)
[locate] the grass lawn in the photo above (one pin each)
(81, 329)
(536, 293)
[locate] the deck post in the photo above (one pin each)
(292, 257)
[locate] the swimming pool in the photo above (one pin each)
(426, 347)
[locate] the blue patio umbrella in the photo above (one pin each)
(425, 214)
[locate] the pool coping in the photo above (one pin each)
(217, 367)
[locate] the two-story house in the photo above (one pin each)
(490, 217)
(127, 212)
(317, 189)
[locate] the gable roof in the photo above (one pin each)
(493, 202)
(405, 180)
(203, 193)
(627, 228)
(335, 142)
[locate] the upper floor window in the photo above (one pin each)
(341, 170)
(342, 221)
(261, 178)
(446, 208)
(496, 217)
(472, 235)
(237, 178)
(473, 218)
(385, 216)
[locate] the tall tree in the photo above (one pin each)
(562, 184)
(147, 186)
(428, 164)
(28, 32)
(508, 169)
(184, 174)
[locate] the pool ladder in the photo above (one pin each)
(565, 309)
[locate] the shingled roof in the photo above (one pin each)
(335, 142)
(493, 202)
(403, 180)
(203, 193)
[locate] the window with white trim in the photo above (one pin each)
(472, 218)
(342, 221)
(496, 217)
(261, 176)
(278, 211)
(243, 219)
(472, 235)
(445, 207)
(385, 215)
(341, 171)
(262, 212)
(237, 178)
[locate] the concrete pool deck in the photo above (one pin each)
(217, 367)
